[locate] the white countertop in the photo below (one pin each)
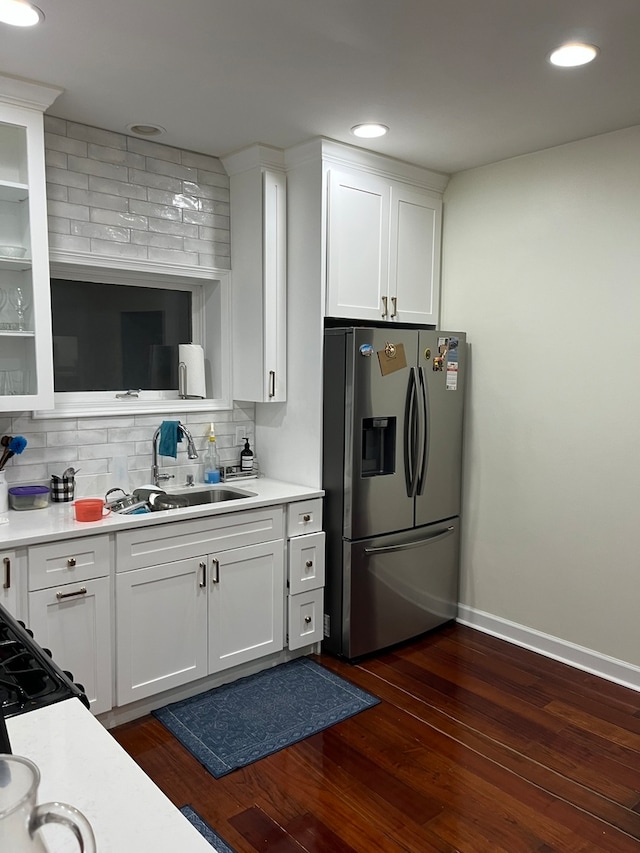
(58, 521)
(81, 764)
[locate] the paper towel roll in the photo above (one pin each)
(191, 370)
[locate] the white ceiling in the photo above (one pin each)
(459, 82)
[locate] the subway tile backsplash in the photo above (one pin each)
(92, 171)
(119, 196)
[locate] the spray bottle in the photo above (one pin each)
(211, 459)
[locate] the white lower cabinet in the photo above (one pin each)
(181, 621)
(305, 578)
(9, 578)
(74, 622)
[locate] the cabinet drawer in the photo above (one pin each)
(164, 543)
(68, 561)
(305, 618)
(304, 517)
(306, 562)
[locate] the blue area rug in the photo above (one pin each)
(235, 724)
(218, 844)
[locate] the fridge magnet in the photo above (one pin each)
(392, 358)
(366, 349)
(451, 383)
(438, 360)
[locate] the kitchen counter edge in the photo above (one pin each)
(57, 522)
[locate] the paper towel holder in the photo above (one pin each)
(182, 384)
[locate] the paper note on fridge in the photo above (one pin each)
(392, 358)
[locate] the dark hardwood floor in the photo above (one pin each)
(477, 745)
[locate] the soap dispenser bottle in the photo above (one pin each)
(211, 459)
(246, 458)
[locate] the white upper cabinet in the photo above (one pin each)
(26, 366)
(383, 248)
(357, 244)
(414, 255)
(259, 274)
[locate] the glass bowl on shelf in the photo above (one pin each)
(12, 251)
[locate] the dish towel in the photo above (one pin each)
(170, 435)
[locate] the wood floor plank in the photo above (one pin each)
(477, 746)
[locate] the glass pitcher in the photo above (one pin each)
(21, 818)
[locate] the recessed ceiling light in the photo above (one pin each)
(19, 13)
(369, 130)
(572, 54)
(146, 129)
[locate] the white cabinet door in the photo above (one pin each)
(246, 604)
(357, 245)
(274, 190)
(161, 628)
(26, 364)
(259, 264)
(414, 262)
(74, 621)
(9, 582)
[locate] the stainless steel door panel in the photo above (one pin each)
(397, 587)
(379, 504)
(438, 494)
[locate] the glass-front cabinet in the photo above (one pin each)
(26, 368)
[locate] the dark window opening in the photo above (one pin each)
(114, 337)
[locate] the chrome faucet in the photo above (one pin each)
(192, 453)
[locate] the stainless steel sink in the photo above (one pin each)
(196, 497)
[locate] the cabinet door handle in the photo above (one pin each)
(71, 562)
(7, 573)
(309, 563)
(216, 564)
(307, 620)
(394, 303)
(272, 383)
(385, 313)
(81, 591)
(306, 518)
(203, 582)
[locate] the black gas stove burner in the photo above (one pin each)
(29, 678)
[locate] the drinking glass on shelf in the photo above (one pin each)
(19, 300)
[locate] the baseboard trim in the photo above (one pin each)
(580, 657)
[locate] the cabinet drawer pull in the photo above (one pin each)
(309, 563)
(203, 582)
(306, 518)
(394, 302)
(216, 564)
(272, 383)
(307, 620)
(7, 573)
(81, 591)
(71, 562)
(385, 313)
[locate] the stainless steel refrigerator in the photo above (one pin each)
(392, 454)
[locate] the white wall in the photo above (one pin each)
(542, 267)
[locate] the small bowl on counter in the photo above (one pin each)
(28, 497)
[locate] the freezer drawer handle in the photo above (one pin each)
(386, 548)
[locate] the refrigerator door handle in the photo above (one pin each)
(385, 549)
(424, 422)
(410, 435)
